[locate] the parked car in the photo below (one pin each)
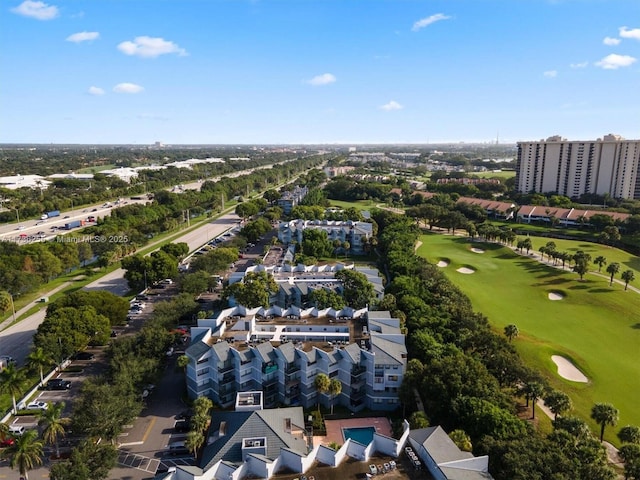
(58, 384)
(185, 415)
(7, 442)
(37, 406)
(178, 448)
(16, 429)
(182, 426)
(83, 356)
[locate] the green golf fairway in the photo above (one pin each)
(595, 326)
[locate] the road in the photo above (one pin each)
(16, 340)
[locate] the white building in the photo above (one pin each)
(604, 166)
(356, 233)
(14, 182)
(281, 351)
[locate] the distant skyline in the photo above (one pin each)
(317, 71)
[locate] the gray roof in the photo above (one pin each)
(438, 444)
(265, 352)
(387, 352)
(222, 350)
(260, 423)
(353, 351)
(197, 348)
(288, 351)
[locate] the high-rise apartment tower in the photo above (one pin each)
(609, 165)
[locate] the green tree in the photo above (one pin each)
(357, 291)
(581, 267)
(183, 362)
(627, 276)
(527, 245)
(335, 389)
(418, 419)
(558, 402)
(88, 461)
(630, 454)
(629, 434)
(324, 298)
(612, 269)
(322, 383)
(202, 406)
(604, 414)
(5, 301)
(534, 391)
(195, 439)
(511, 331)
(254, 290)
(25, 454)
(462, 440)
(600, 261)
(38, 360)
(53, 424)
(11, 382)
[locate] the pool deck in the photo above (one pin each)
(334, 428)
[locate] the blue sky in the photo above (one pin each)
(317, 71)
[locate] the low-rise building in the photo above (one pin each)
(281, 351)
(356, 233)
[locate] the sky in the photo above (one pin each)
(317, 71)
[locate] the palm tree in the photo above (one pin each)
(627, 276)
(605, 414)
(534, 390)
(542, 251)
(38, 359)
(321, 383)
(629, 434)
(194, 441)
(11, 380)
(183, 362)
(511, 331)
(53, 424)
(335, 389)
(25, 453)
(612, 269)
(600, 261)
(526, 244)
(558, 402)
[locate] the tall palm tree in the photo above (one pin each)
(612, 269)
(53, 424)
(194, 441)
(25, 453)
(534, 391)
(605, 414)
(11, 380)
(38, 359)
(335, 388)
(627, 276)
(511, 331)
(600, 261)
(321, 382)
(558, 402)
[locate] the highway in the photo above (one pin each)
(16, 340)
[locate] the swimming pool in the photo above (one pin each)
(363, 435)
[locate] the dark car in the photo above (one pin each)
(185, 415)
(182, 426)
(7, 442)
(58, 384)
(83, 356)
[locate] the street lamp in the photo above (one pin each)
(13, 307)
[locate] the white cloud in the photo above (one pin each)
(392, 105)
(551, 73)
(95, 91)
(579, 65)
(615, 61)
(37, 10)
(150, 47)
(324, 79)
(128, 88)
(425, 22)
(82, 37)
(629, 33)
(611, 41)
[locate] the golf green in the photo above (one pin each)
(595, 326)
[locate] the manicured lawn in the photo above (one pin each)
(359, 204)
(504, 174)
(595, 326)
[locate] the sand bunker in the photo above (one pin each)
(555, 296)
(567, 370)
(443, 263)
(465, 270)
(477, 250)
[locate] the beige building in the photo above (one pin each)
(608, 165)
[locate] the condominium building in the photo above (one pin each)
(608, 165)
(356, 233)
(281, 351)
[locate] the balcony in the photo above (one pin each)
(225, 368)
(292, 369)
(358, 370)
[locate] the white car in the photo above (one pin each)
(37, 406)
